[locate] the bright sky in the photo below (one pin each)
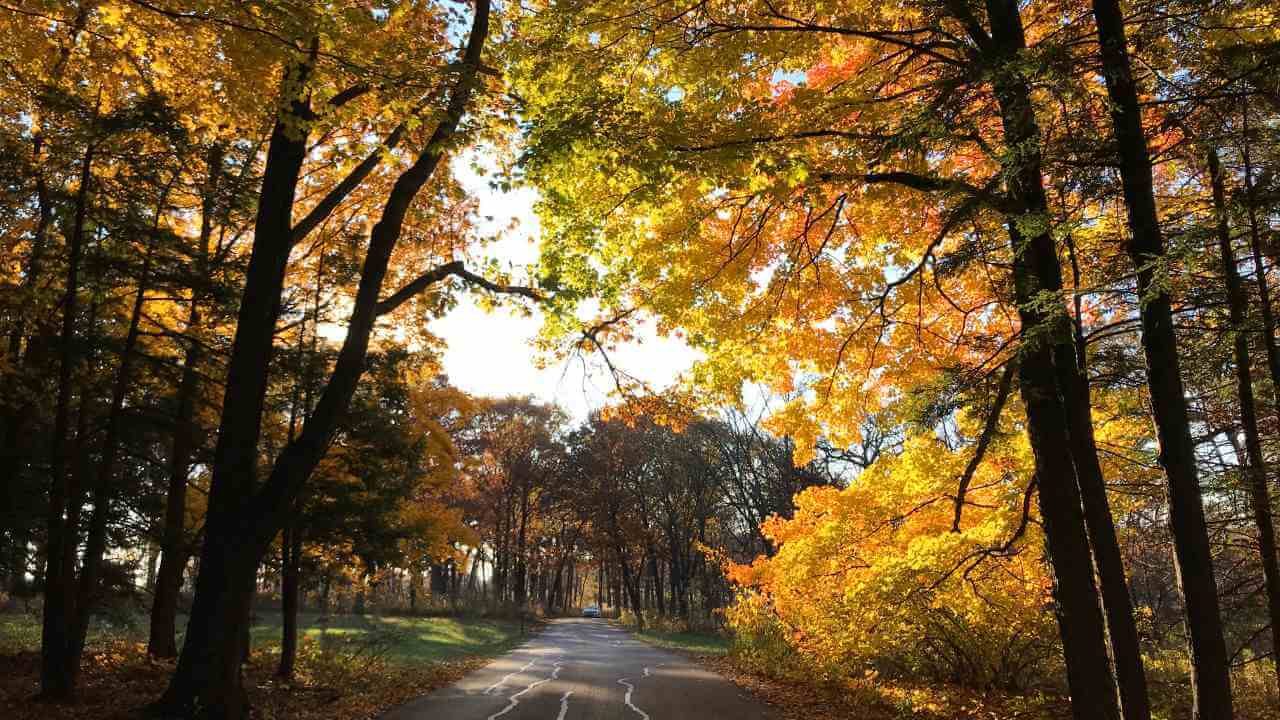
(491, 354)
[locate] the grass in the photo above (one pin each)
(695, 643)
(350, 667)
(402, 639)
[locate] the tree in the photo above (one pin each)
(243, 518)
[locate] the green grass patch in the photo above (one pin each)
(698, 643)
(403, 639)
(400, 639)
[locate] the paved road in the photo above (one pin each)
(581, 669)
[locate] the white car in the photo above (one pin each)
(591, 611)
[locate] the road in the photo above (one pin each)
(580, 669)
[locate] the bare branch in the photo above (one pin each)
(984, 440)
(457, 269)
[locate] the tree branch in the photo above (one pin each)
(334, 197)
(984, 440)
(457, 269)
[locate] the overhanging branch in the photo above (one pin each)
(459, 270)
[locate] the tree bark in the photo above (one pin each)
(14, 421)
(521, 558)
(58, 670)
(1062, 446)
(1193, 559)
(291, 555)
(104, 490)
(208, 680)
(174, 550)
(1260, 269)
(243, 520)
(1254, 467)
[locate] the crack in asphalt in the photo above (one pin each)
(494, 687)
(564, 705)
(627, 698)
(514, 700)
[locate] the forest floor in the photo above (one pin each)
(349, 666)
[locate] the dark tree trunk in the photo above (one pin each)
(520, 556)
(656, 573)
(1260, 269)
(243, 519)
(58, 670)
(326, 583)
(175, 552)
(208, 679)
(1094, 691)
(14, 422)
(1255, 467)
(1122, 629)
(1211, 682)
(631, 586)
(291, 555)
(104, 490)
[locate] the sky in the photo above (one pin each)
(491, 353)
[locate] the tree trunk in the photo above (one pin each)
(520, 556)
(103, 490)
(1255, 467)
(58, 670)
(1260, 270)
(1193, 559)
(291, 555)
(656, 573)
(1122, 630)
(14, 426)
(174, 550)
(208, 679)
(243, 521)
(631, 586)
(1094, 692)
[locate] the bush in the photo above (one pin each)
(760, 642)
(856, 585)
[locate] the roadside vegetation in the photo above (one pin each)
(348, 666)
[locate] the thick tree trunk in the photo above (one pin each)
(1093, 689)
(208, 680)
(1122, 629)
(1255, 465)
(243, 520)
(631, 586)
(1211, 682)
(1063, 457)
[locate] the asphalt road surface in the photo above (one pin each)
(580, 669)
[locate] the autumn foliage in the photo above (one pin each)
(981, 296)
